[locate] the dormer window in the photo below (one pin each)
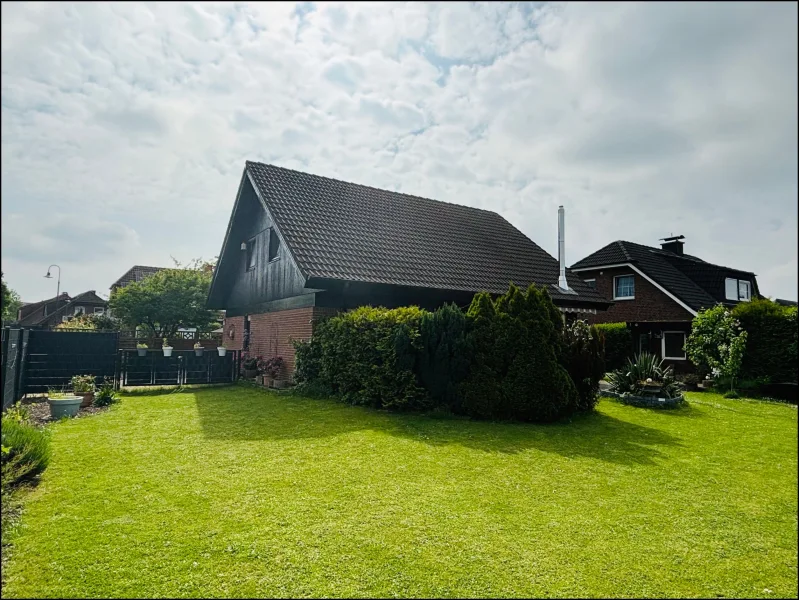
(737, 290)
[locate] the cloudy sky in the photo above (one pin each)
(125, 126)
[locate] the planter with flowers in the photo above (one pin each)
(222, 349)
(83, 386)
(250, 367)
(141, 349)
(198, 349)
(166, 348)
(270, 368)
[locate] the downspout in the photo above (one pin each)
(562, 283)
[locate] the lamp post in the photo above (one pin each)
(58, 288)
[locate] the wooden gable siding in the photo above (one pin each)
(267, 281)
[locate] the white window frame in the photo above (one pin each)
(737, 285)
(98, 310)
(589, 281)
(663, 346)
(66, 319)
(615, 297)
(748, 290)
(79, 310)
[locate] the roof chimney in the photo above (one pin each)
(673, 244)
(562, 283)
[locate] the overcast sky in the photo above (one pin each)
(125, 126)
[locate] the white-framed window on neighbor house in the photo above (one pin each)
(98, 310)
(624, 287)
(66, 319)
(80, 310)
(673, 345)
(737, 289)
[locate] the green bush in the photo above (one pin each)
(771, 346)
(514, 346)
(585, 362)
(631, 378)
(618, 344)
(105, 394)
(368, 356)
(25, 451)
(444, 358)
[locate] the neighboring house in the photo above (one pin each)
(300, 246)
(135, 273)
(658, 291)
(783, 302)
(50, 313)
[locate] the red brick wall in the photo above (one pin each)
(650, 304)
(272, 334)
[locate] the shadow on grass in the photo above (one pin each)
(241, 414)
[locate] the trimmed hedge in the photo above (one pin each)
(618, 343)
(771, 345)
(505, 359)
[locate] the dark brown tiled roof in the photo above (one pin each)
(697, 283)
(344, 231)
(136, 273)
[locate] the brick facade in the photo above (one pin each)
(273, 333)
(649, 304)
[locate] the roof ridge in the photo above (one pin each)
(370, 187)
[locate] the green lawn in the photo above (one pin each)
(239, 492)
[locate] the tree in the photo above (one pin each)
(717, 343)
(11, 301)
(167, 300)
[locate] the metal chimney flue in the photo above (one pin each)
(562, 283)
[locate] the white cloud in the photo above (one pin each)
(129, 124)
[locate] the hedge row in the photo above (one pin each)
(618, 344)
(508, 358)
(771, 345)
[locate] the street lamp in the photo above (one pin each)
(58, 289)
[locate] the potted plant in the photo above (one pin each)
(271, 369)
(83, 386)
(166, 348)
(142, 349)
(63, 404)
(198, 349)
(250, 366)
(222, 349)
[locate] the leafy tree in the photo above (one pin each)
(717, 343)
(167, 300)
(11, 301)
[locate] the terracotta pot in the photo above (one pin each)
(88, 398)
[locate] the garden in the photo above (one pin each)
(243, 492)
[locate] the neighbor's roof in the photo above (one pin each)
(697, 283)
(783, 302)
(89, 297)
(136, 273)
(345, 231)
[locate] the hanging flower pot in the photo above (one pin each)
(141, 349)
(222, 350)
(166, 348)
(198, 349)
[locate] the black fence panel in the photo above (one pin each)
(182, 367)
(54, 357)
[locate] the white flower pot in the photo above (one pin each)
(167, 350)
(222, 351)
(198, 351)
(142, 351)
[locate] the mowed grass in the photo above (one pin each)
(239, 492)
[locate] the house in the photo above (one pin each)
(299, 247)
(49, 313)
(135, 273)
(658, 291)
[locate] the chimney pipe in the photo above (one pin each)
(562, 283)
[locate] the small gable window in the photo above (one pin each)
(591, 283)
(274, 245)
(251, 256)
(624, 287)
(737, 290)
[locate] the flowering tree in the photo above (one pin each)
(717, 343)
